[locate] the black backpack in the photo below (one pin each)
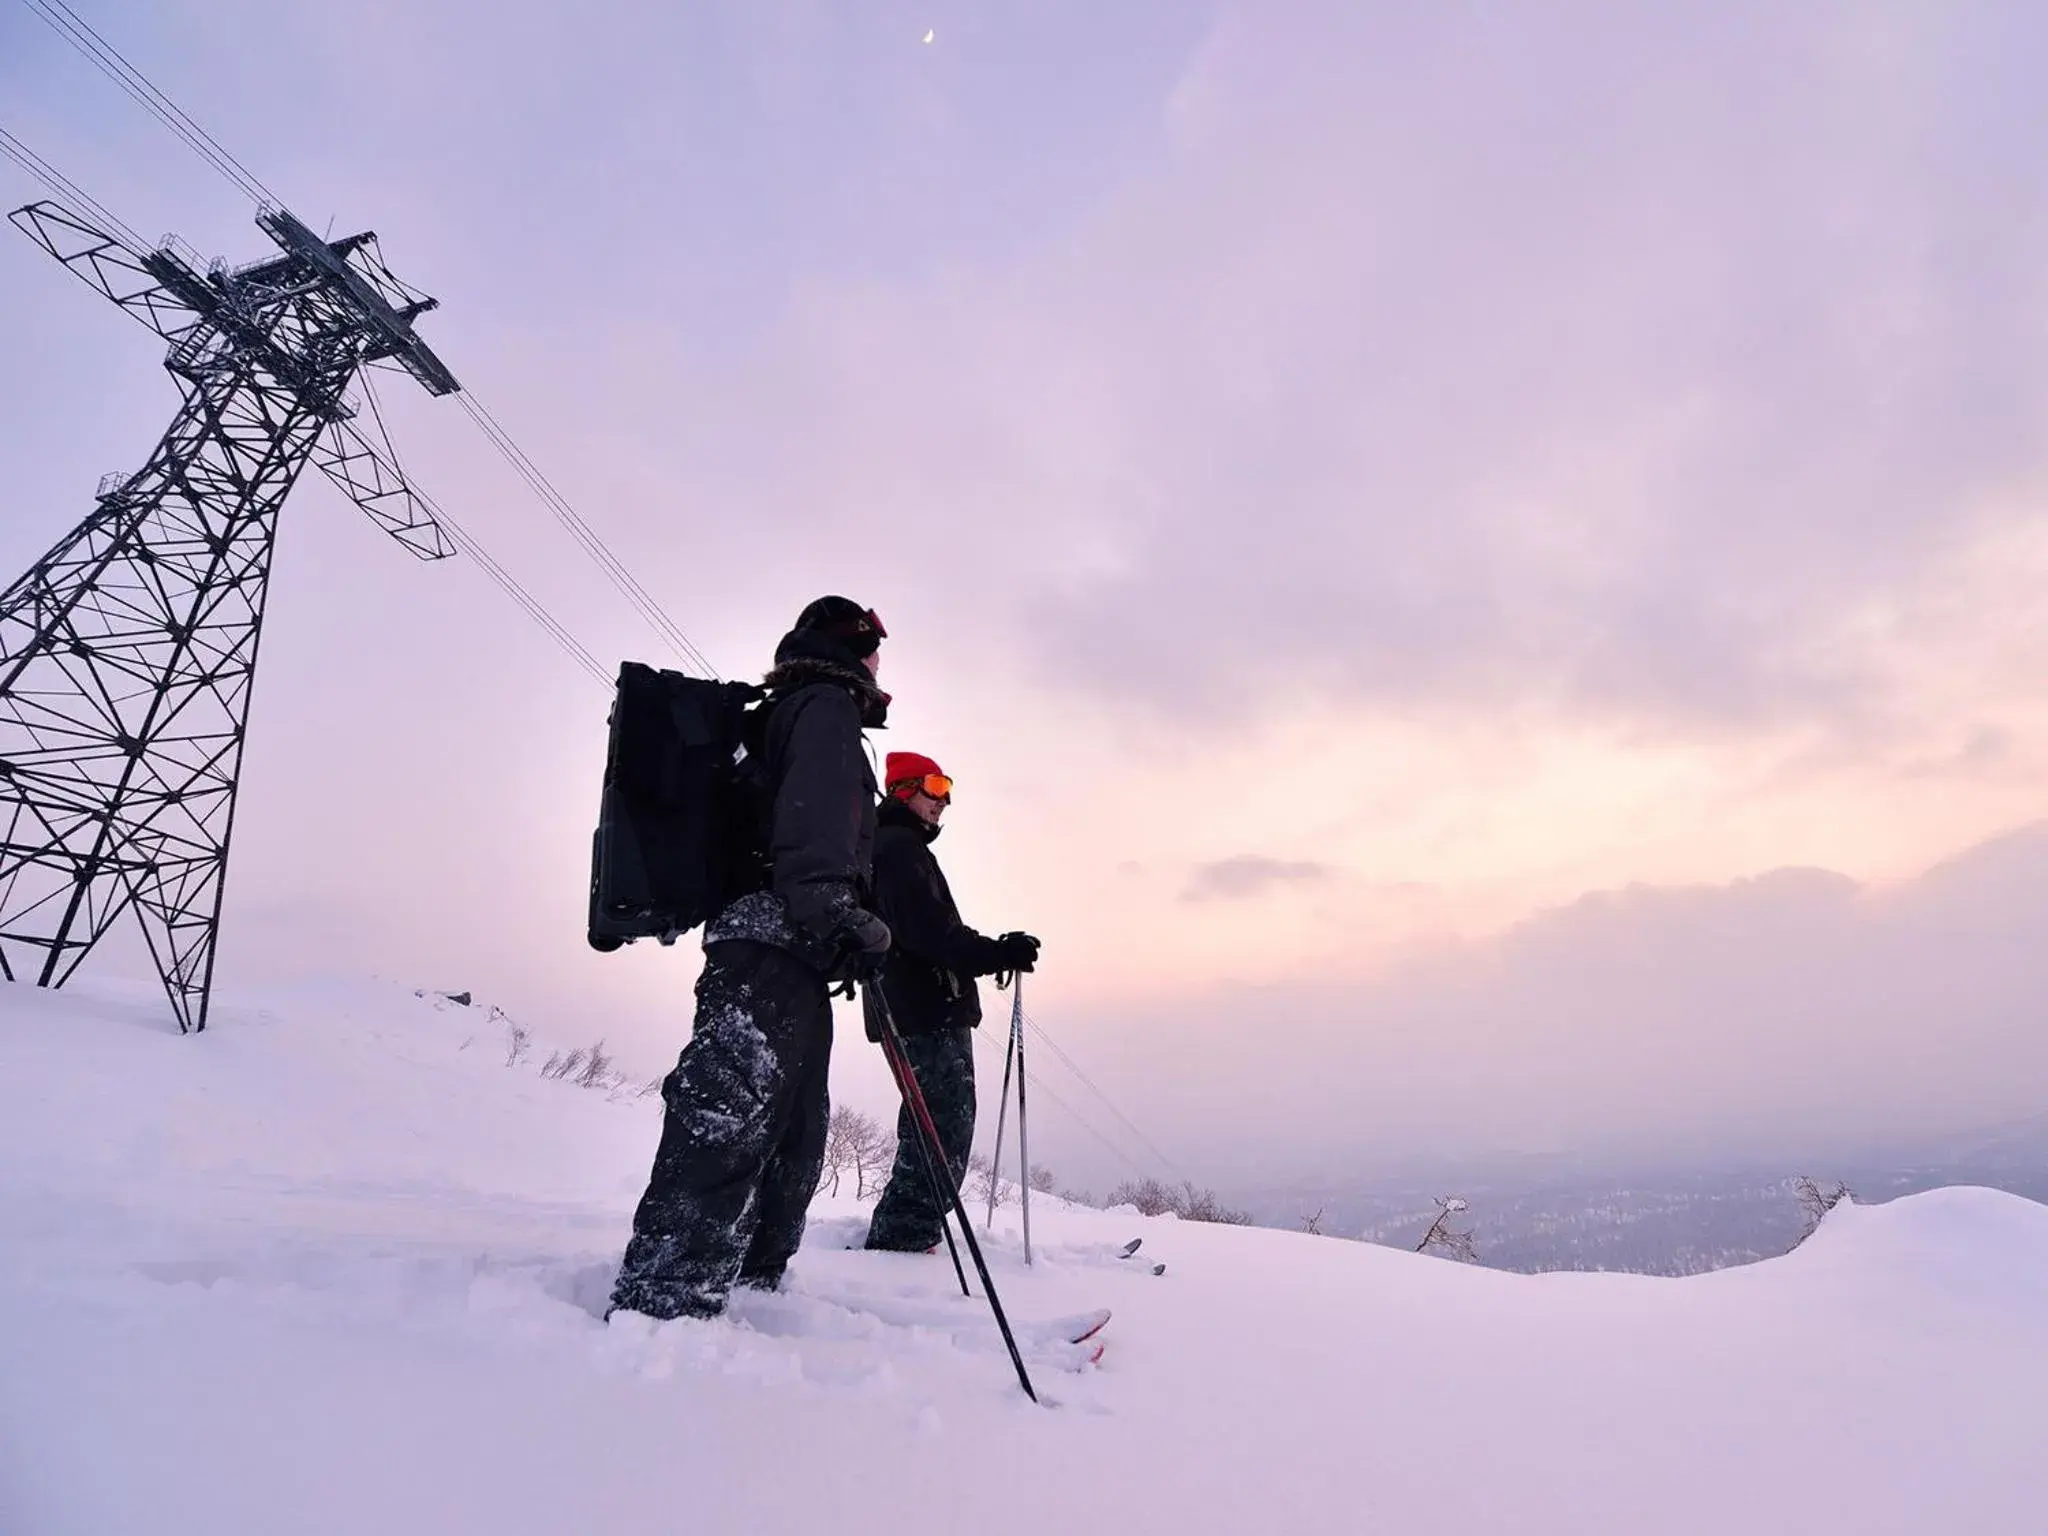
(681, 828)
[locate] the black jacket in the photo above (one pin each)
(821, 821)
(929, 976)
(820, 790)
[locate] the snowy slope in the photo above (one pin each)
(332, 1267)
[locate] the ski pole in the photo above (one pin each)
(913, 1097)
(1023, 1136)
(906, 1085)
(1002, 1109)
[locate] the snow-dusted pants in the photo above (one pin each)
(907, 1218)
(743, 1139)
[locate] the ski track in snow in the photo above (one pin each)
(333, 1267)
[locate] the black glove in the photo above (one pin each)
(862, 940)
(1016, 952)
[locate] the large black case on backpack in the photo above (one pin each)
(675, 830)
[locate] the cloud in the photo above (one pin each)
(1247, 876)
(1469, 359)
(1792, 1014)
(1607, 434)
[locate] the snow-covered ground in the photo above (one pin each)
(333, 1267)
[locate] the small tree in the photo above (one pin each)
(559, 1066)
(1313, 1224)
(1192, 1204)
(855, 1141)
(1042, 1180)
(876, 1151)
(597, 1067)
(1151, 1197)
(1442, 1237)
(1816, 1202)
(983, 1186)
(838, 1149)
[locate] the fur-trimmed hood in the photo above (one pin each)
(793, 672)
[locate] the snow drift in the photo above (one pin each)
(334, 1267)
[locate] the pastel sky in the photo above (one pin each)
(1400, 519)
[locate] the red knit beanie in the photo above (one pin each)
(907, 769)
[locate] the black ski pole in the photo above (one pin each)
(913, 1097)
(906, 1080)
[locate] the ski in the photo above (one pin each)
(1070, 1343)
(1069, 1357)
(1132, 1247)
(1076, 1329)
(1094, 1324)
(789, 1313)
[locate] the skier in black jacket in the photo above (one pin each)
(743, 1139)
(928, 979)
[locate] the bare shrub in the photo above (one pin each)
(1443, 1238)
(597, 1067)
(858, 1143)
(877, 1151)
(838, 1156)
(983, 1185)
(1192, 1204)
(559, 1066)
(518, 1041)
(1149, 1195)
(1312, 1224)
(1042, 1180)
(1153, 1197)
(1816, 1202)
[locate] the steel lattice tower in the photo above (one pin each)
(128, 652)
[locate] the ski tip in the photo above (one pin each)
(1088, 1325)
(1130, 1248)
(1078, 1357)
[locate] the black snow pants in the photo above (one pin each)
(907, 1218)
(743, 1139)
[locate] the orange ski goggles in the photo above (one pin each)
(937, 785)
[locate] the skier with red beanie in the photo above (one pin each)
(928, 979)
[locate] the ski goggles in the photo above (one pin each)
(937, 785)
(863, 632)
(865, 623)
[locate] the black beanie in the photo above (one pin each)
(855, 628)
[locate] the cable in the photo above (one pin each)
(69, 191)
(599, 552)
(1083, 1121)
(1074, 1067)
(469, 546)
(109, 60)
(464, 541)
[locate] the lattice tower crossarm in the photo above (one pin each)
(128, 652)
